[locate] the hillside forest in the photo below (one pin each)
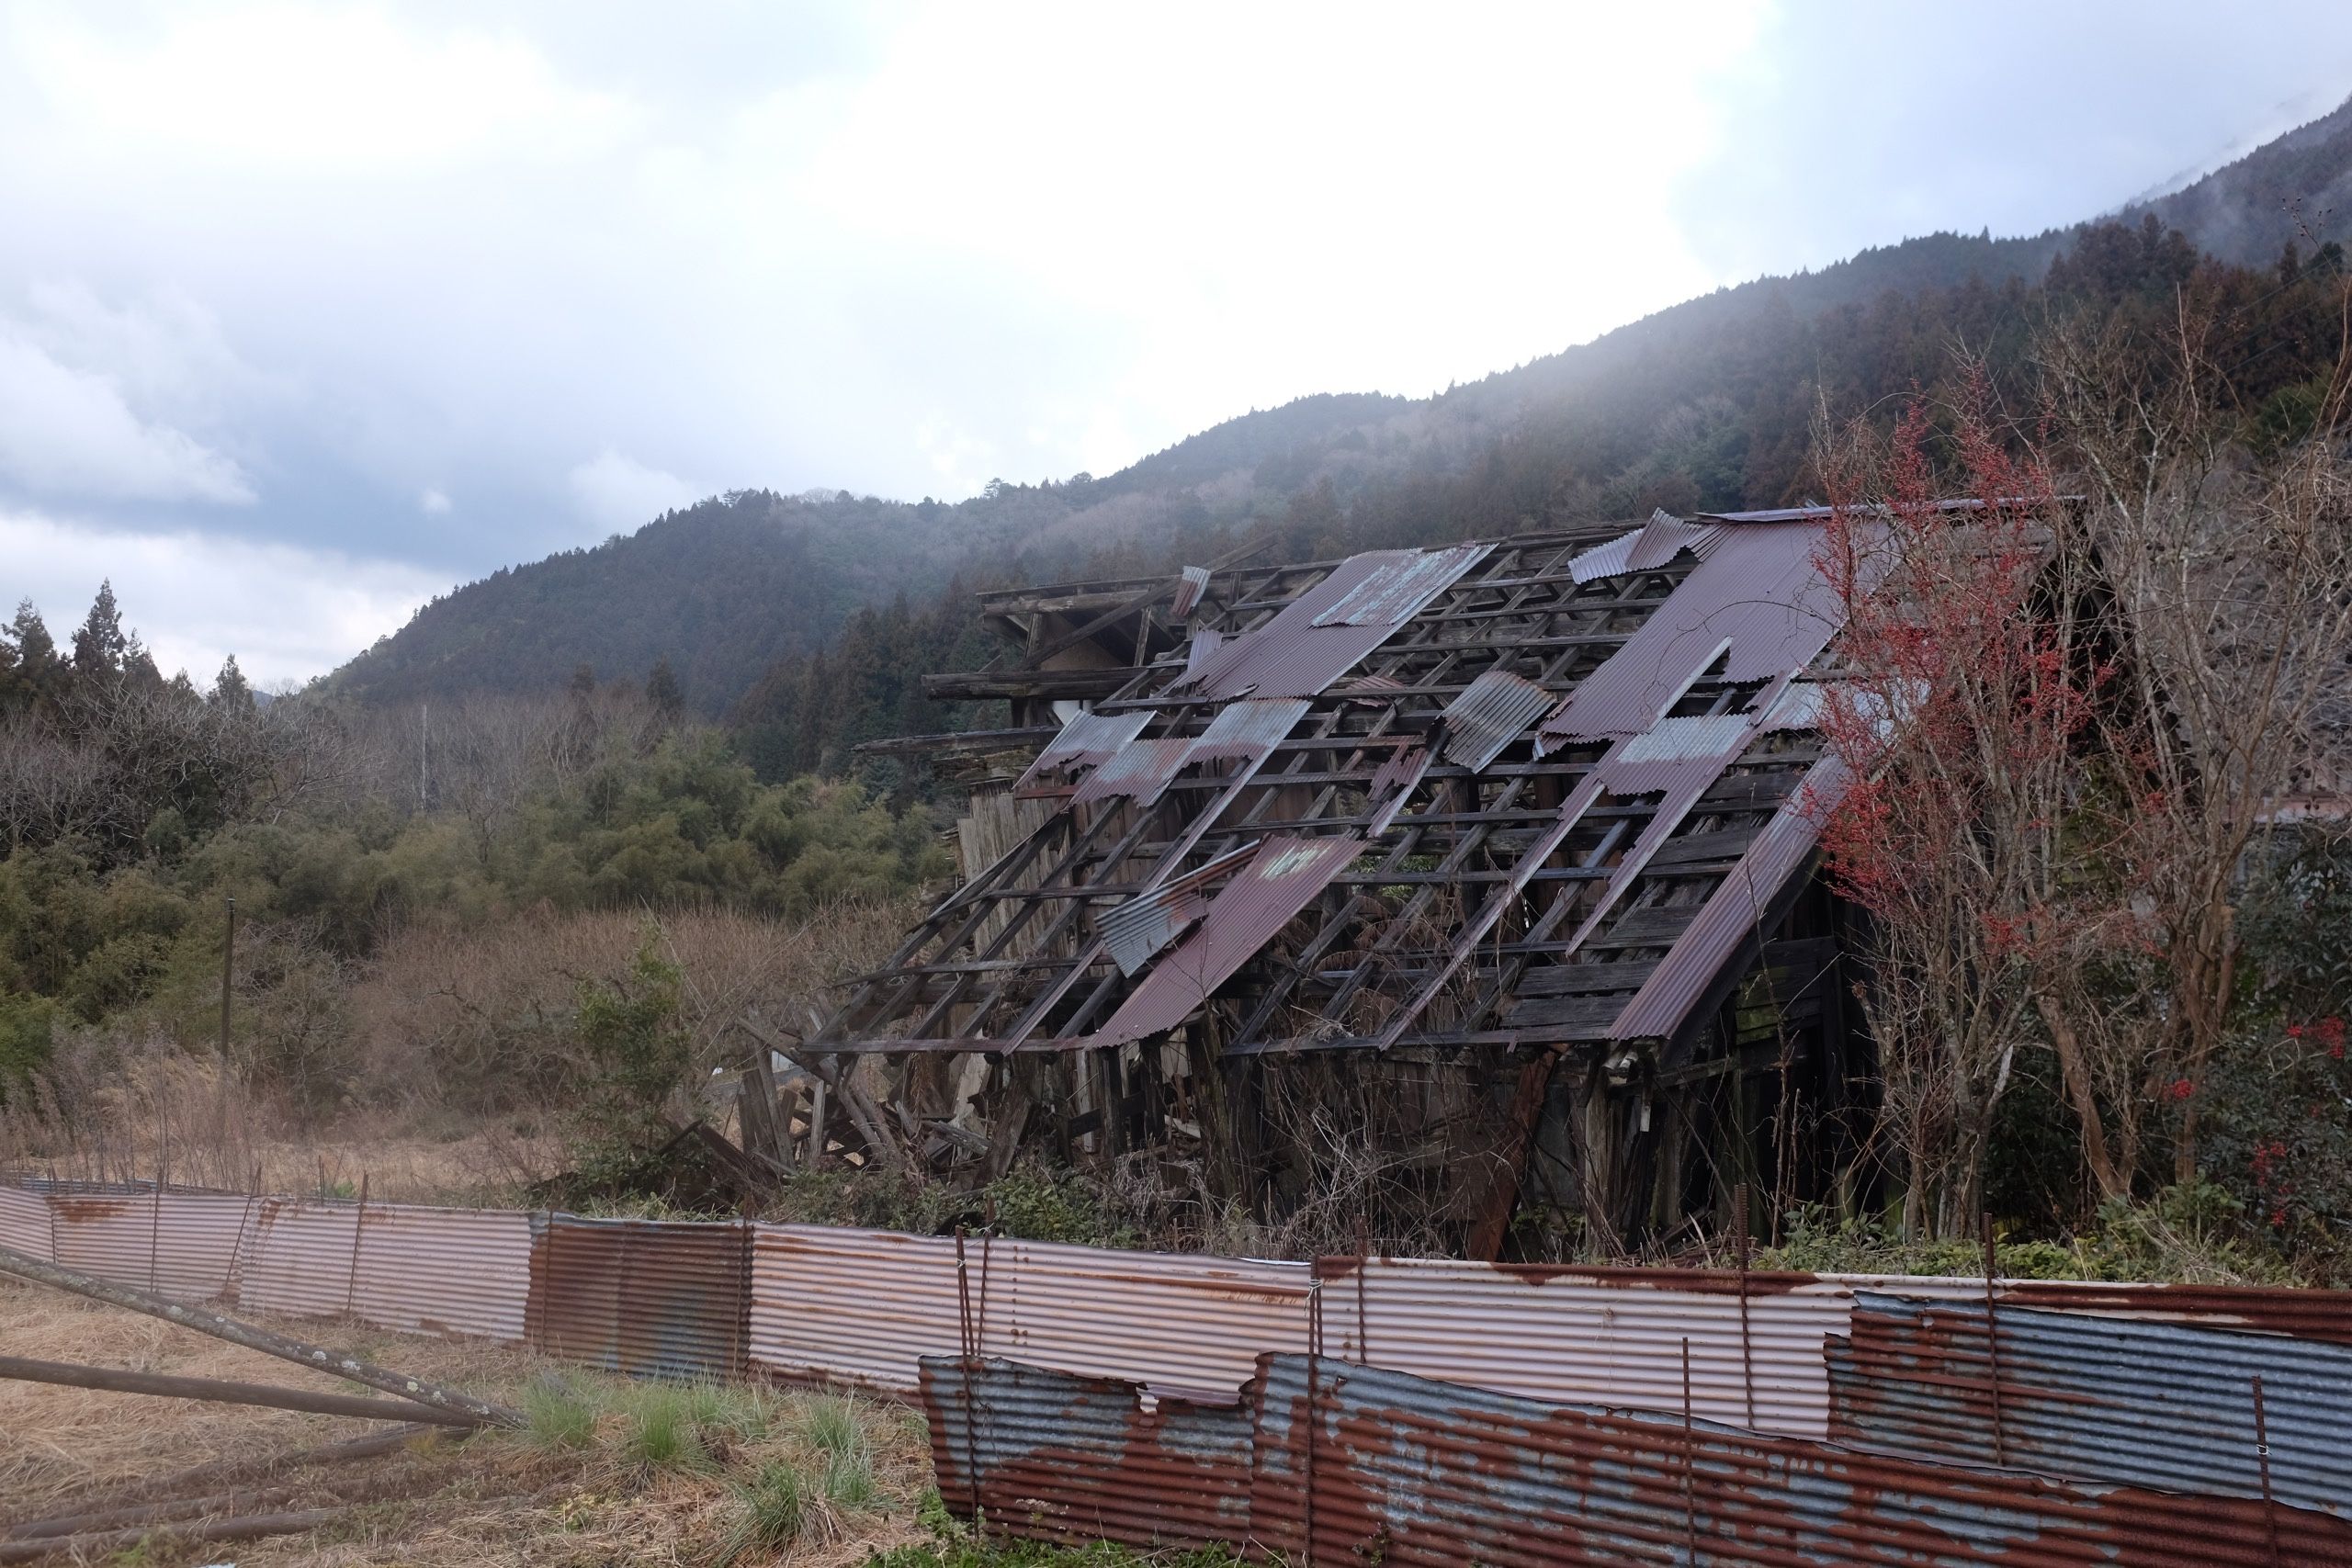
(484, 884)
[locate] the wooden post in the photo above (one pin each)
(1993, 1342)
(358, 1227)
(107, 1379)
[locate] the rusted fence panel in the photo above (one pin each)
(1350, 1465)
(428, 1270)
(2096, 1398)
(1076, 1459)
(177, 1244)
(300, 1257)
(855, 1307)
(642, 1297)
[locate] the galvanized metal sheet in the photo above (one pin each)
(647, 1298)
(1086, 742)
(1286, 875)
(1140, 771)
(1490, 714)
(855, 1307)
(1190, 583)
(1397, 585)
(447, 1271)
(2096, 1398)
(1653, 545)
(1595, 1337)
(1241, 732)
(25, 1222)
(862, 1307)
(1137, 929)
(298, 1258)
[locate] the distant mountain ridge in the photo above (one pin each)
(1703, 405)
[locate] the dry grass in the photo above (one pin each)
(497, 1499)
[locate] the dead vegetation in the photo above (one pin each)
(606, 1470)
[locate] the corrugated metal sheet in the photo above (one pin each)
(2096, 1398)
(1190, 583)
(450, 1271)
(1488, 715)
(1201, 650)
(1246, 730)
(1729, 916)
(643, 1297)
(1284, 877)
(1758, 599)
(1713, 738)
(1398, 586)
(298, 1258)
(1403, 1470)
(1140, 771)
(1326, 631)
(1180, 1323)
(1086, 742)
(25, 1222)
(2324, 1315)
(1062, 1457)
(1347, 1465)
(1645, 548)
(852, 1306)
(1141, 927)
(862, 1307)
(1591, 1337)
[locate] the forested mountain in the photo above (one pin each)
(1704, 405)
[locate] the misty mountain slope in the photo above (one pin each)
(2296, 189)
(1704, 405)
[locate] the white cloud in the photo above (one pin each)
(329, 88)
(286, 613)
(68, 432)
(619, 492)
(432, 503)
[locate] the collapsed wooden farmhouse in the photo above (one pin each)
(1481, 876)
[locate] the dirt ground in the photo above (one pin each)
(610, 1472)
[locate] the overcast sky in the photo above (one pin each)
(308, 311)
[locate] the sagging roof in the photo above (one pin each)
(1540, 790)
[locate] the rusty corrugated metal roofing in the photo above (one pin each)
(1201, 650)
(1347, 1464)
(1757, 601)
(1730, 915)
(1151, 919)
(1645, 548)
(1284, 877)
(1398, 586)
(2096, 1399)
(1326, 631)
(1086, 742)
(1190, 583)
(1488, 715)
(1141, 770)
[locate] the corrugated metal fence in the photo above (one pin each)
(1322, 1462)
(2102, 1385)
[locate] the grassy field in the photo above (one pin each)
(606, 1470)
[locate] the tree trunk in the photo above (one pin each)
(2112, 1182)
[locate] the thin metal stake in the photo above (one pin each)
(359, 1225)
(971, 1370)
(1746, 1346)
(2262, 1457)
(154, 1226)
(1314, 1372)
(1993, 1342)
(1689, 1448)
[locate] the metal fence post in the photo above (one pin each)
(2262, 1458)
(358, 1225)
(1689, 1455)
(1993, 1342)
(1747, 1345)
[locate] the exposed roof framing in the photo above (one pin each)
(1358, 804)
